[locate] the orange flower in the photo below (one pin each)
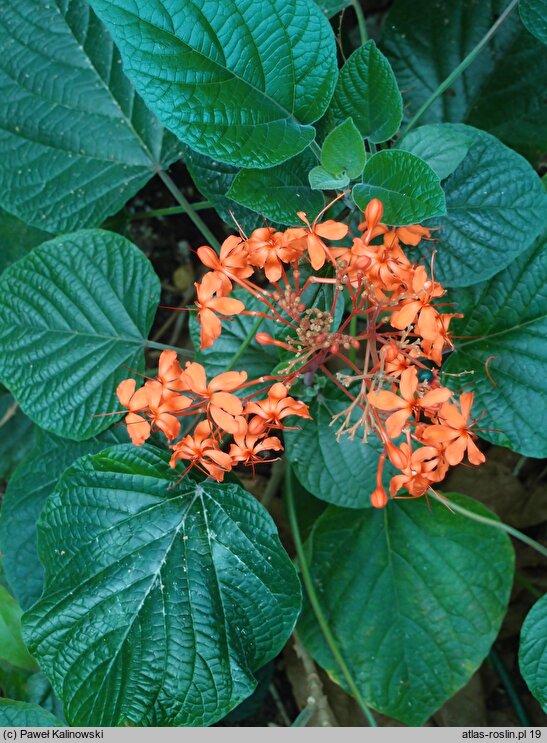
(138, 427)
(330, 230)
(413, 234)
(372, 226)
(417, 470)
(202, 451)
(270, 412)
(409, 403)
(232, 263)
(249, 446)
(433, 347)
(154, 406)
(388, 266)
(269, 249)
(169, 371)
(208, 305)
(425, 289)
(455, 432)
(222, 406)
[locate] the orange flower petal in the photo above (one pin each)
(385, 400)
(227, 381)
(396, 422)
(125, 391)
(138, 428)
(331, 230)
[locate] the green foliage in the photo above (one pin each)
(17, 239)
(216, 84)
(77, 142)
(339, 470)
(502, 91)
(533, 651)
(443, 148)
(343, 151)
(320, 179)
(72, 327)
(278, 193)
(495, 207)
(183, 590)
(25, 715)
(27, 491)
(501, 344)
(367, 92)
(533, 14)
(407, 186)
(12, 647)
(415, 596)
(16, 435)
(331, 7)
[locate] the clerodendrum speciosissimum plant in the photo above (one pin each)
(394, 394)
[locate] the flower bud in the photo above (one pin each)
(378, 498)
(373, 213)
(264, 339)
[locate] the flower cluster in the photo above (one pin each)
(216, 413)
(391, 343)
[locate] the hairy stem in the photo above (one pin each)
(464, 64)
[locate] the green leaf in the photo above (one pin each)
(496, 208)
(337, 470)
(331, 7)
(22, 714)
(533, 651)
(278, 193)
(16, 435)
(12, 647)
(241, 82)
(27, 491)
(17, 239)
(321, 180)
(502, 345)
(344, 151)
(502, 91)
(415, 596)
(367, 91)
(197, 570)
(76, 141)
(213, 179)
(533, 14)
(74, 315)
(408, 188)
(442, 148)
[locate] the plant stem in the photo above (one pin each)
(360, 21)
(464, 64)
(491, 522)
(196, 206)
(189, 209)
(314, 599)
(529, 587)
(166, 347)
(505, 678)
(250, 335)
(353, 333)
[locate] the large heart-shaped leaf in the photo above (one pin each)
(76, 142)
(17, 239)
(533, 651)
(339, 470)
(502, 345)
(278, 193)
(367, 92)
(407, 186)
(513, 67)
(74, 315)
(27, 491)
(443, 148)
(493, 195)
(25, 715)
(415, 596)
(161, 599)
(238, 81)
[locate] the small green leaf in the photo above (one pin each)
(367, 92)
(344, 151)
(408, 188)
(339, 470)
(415, 596)
(27, 491)
(442, 148)
(16, 435)
(533, 14)
(321, 180)
(25, 715)
(278, 193)
(12, 648)
(502, 345)
(131, 551)
(17, 239)
(74, 315)
(76, 142)
(533, 651)
(240, 82)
